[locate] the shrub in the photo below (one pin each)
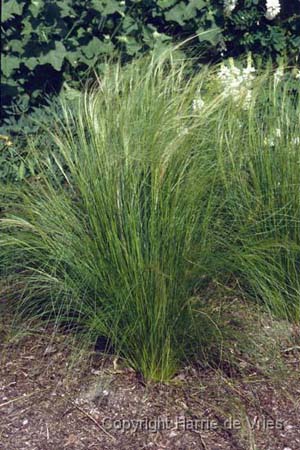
(47, 44)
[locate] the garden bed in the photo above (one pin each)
(48, 401)
(164, 222)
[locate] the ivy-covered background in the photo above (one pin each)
(46, 43)
(54, 45)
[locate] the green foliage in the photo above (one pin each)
(247, 29)
(115, 248)
(17, 138)
(46, 43)
(145, 197)
(261, 174)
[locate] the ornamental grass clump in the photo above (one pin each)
(117, 245)
(157, 183)
(259, 153)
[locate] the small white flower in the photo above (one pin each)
(229, 6)
(236, 82)
(198, 104)
(273, 9)
(296, 140)
(183, 132)
(278, 75)
(224, 72)
(235, 71)
(297, 74)
(249, 69)
(269, 141)
(247, 99)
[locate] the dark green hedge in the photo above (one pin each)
(48, 42)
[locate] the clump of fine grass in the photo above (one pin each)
(147, 198)
(118, 245)
(259, 153)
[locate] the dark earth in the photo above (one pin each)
(49, 401)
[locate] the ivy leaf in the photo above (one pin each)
(27, 28)
(10, 8)
(192, 7)
(9, 64)
(15, 45)
(31, 63)
(165, 4)
(55, 57)
(199, 4)
(212, 35)
(35, 7)
(65, 9)
(129, 24)
(177, 14)
(107, 7)
(73, 58)
(132, 46)
(92, 48)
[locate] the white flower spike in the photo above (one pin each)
(238, 83)
(229, 6)
(278, 75)
(273, 9)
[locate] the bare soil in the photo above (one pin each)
(46, 403)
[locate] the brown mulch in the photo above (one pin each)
(48, 404)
